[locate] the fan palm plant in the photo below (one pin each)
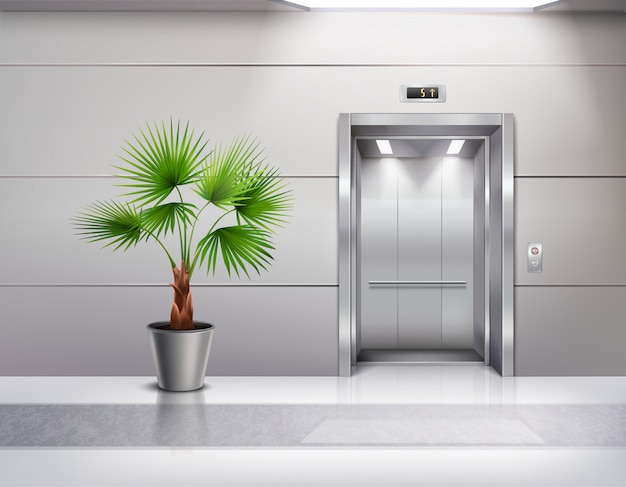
(163, 167)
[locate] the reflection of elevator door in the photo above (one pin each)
(417, 225)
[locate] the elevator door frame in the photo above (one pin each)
(497, 129)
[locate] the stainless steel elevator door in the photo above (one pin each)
(416, 225)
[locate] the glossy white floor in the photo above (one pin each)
(528, 465)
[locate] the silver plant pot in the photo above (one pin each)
(180, 357)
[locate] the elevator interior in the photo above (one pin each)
(419, 232)
(426, 239)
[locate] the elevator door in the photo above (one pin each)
(416, 253)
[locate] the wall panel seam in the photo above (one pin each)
(159, 284)
(307, 65)
(113, 176)
(573, 176)
(569, 285)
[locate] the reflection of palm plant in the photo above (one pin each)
(235, 180)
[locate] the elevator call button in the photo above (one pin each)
(535, 257)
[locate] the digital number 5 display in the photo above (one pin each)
(423, 93)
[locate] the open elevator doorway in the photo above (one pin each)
(419, 231)
(426, 247)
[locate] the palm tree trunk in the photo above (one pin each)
(181, 317)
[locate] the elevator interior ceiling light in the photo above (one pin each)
(434, 5)
(384, 146)
(455, 146)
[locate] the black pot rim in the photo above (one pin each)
(159, 327)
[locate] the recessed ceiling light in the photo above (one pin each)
(422, 4)
(384, 146)
(455, 146)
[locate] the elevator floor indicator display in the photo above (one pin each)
(429, 93)
(423, 92)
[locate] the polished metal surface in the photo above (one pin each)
(481, 252)
(484, 260)
(420, 245)
(416, 283)
(493, 289)
(508, 245)
(378, 255)
(535, 257)
(501, 271)
(419, 146)
(425, 124)
(347, 326)
(458, 227)
(180, 357)
(416, 219)
(451, 356)
(495, 251)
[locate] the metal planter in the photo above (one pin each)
(180, 357)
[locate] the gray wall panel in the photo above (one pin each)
(582, 227)
(101, 331)
(562, 76)
(72, 120)
(574, 127)
(37, 230)
(570, 331)
(58, 120)
(311, 38)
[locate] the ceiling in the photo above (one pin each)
(145, 6)
(418, 147)
(243, 6)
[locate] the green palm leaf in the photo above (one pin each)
(267, 201)
(160, 160)
(117, 223)
(241, 246)
(222, 181)
(161, 219)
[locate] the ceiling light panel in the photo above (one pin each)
(384, 146)
(422, 4)
(455, 146)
